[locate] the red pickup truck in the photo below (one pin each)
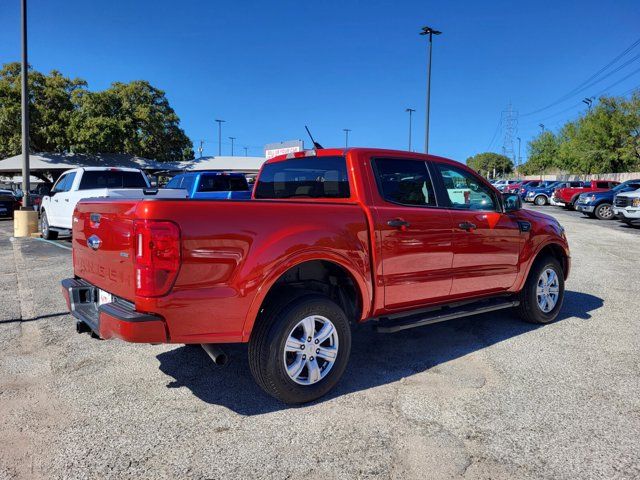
(567, 196)
(330, 239)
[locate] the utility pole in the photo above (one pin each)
(246, 154)
(26, 172)
(346, 137)
(410, 110)
(519, 157)
(220, 122)
(232, 139)
(200, 148)
(510, 122)
(431, 32)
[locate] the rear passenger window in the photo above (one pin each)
(465, 191)
(174, 182)
(406, 182)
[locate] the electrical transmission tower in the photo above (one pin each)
(509, 122)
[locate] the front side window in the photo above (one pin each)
(464, 190)
(58, 187)
(305, 177)
(406, 182)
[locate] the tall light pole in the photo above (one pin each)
(346, 137)
(588, 101)
(519, 157)
(246, 154)
(431, 32)
(232, 139)
(410, 110)
(541, 125)
(26, 173)
(220, 122)
(201, 148)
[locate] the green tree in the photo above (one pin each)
(543, 154)
(488, 161)
(50, 109)
(133, 118)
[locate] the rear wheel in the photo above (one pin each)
(543, 293)
(298, 351)
(604, 211)
(47, 233)
(540, 200)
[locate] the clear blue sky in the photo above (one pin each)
(269, 68)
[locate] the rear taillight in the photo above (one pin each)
(157, 256)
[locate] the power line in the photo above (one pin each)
(592, 80)
(495, 134)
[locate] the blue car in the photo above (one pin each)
(600, 204)
(542, 194)
(212, 185)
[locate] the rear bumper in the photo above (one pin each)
(556, 202)
(117, 319)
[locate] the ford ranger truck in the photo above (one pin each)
(331, 239)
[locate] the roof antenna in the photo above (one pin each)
(316, 145)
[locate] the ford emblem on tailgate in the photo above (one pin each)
(94, 242)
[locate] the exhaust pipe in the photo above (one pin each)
(217, 355)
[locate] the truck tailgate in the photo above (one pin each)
(103, 245)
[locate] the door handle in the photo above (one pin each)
(66, 199)
(55, 200)
(468, 226)
(398, 223)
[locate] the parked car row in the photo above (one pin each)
(601, 199)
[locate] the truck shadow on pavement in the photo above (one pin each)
(376, 359)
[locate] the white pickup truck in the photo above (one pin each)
(626, 207)
(73, 185)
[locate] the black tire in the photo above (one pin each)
(529, 310)
(540, 200)
(47, 233)
(267, 348)
(604, 211)
(572, 204)
(589, 214)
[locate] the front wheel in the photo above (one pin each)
(540, 200)
(604, 211)
(543, 293)
(46, 231)
(298, 351)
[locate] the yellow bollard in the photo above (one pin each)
(25, 222)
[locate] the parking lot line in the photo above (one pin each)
(54, 243)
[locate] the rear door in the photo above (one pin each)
(414, 234)
(63, 204)
(486, 242)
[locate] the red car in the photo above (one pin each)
(567, 196)
(331, 238)
(515, 188)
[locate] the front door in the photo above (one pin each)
(414, 234)
(486, 242)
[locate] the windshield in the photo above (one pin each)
(310, 177)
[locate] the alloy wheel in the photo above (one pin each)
(548, 290)
(311, 350)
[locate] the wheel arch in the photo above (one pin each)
(328, 274)
(556, 251)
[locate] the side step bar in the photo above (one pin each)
(388, 325)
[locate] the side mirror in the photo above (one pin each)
(512, 202)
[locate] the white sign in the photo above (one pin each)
(274, 149)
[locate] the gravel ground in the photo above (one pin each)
(484, 397)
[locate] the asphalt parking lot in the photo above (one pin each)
(483, 397)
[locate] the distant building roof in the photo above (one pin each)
(63, 161)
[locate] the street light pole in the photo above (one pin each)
(410, 110)
(346, 137)
(220, 122)
(541, 125)
(26, 173)
(431, 32)
(519, 157)
(201, 148)
(232, 139)
(246, 154)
